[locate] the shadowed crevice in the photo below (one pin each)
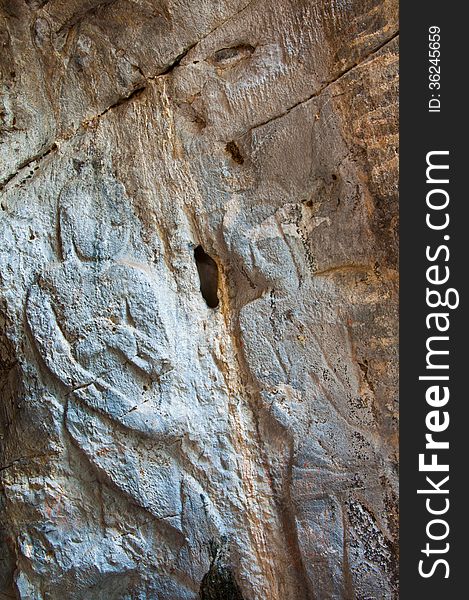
(219, 582)
(208, 276)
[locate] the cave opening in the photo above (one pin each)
(208, 276)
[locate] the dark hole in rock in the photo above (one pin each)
(208, 275)
(226, 54)
(233, 149)
(219, 582)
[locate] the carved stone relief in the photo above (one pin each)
(198, 294)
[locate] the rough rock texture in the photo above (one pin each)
(198, 299)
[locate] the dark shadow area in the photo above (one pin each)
(208, 275)
(219, 582)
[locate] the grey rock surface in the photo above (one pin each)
(198, 299)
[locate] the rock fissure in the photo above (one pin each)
(324, 88)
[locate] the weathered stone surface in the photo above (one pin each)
(198, 299)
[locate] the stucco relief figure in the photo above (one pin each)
(103, 330)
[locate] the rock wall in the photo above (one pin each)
(198, 299)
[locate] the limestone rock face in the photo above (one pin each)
(198, 296)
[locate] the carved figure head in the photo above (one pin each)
(94, 219)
